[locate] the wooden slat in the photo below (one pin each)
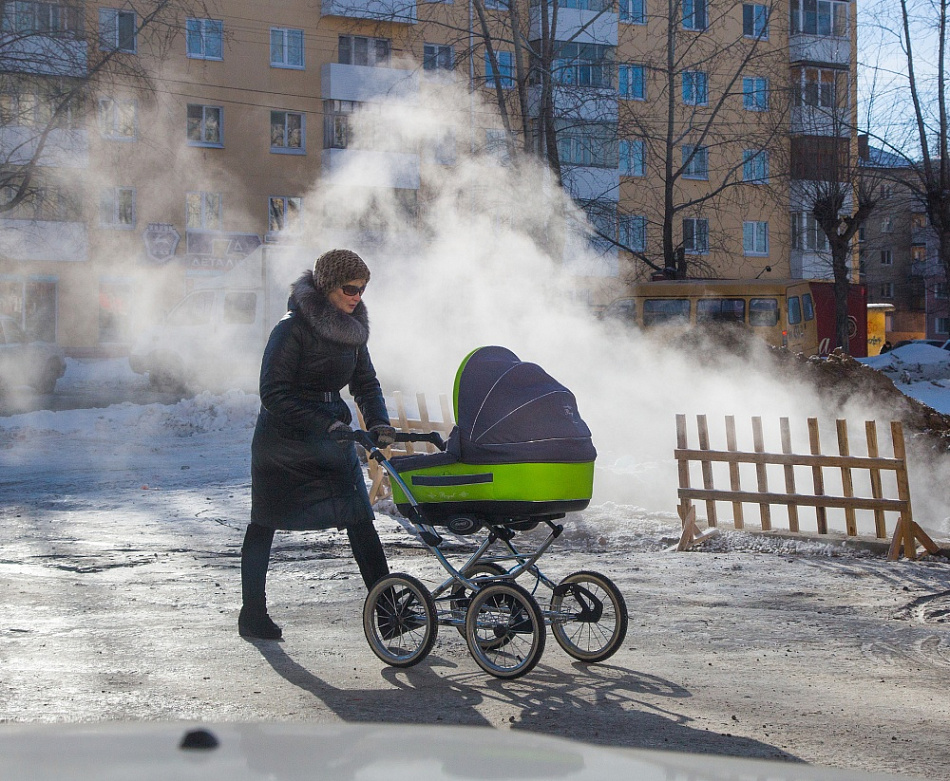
(789, 459)
(732, 445)
(403, 420)
(801, 500)
(706, 467)
(847, 483)
(818, 479)
(761, 474)
(789, 473)
(903, 491)
(877, 489)
(682, 466)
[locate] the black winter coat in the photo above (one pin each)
(300, 477)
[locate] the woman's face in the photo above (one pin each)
(347, 296)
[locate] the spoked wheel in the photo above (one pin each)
(504, 629)
(399, 620)
(461, 596)
(589, 616)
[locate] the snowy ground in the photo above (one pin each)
(119, 590)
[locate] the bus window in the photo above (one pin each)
(193, 310)
(763, 311)
(624, 310)
(808, 306)
(657, 311)
(794, 310)
(720, 310)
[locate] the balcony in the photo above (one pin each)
(579, 26)
(27, 240)
(63, 148)
(819, 121)
(578, 102)
(403, 11)
(44, 55)
(591, 184)
(364, 83)
(369, 168)
(819, 48)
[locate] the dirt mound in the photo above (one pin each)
(840, 378)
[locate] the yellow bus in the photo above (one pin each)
(798, 314)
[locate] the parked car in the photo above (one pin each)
(931, 342)
(35, 364)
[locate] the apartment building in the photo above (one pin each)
(188, 141)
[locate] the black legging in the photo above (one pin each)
(255, 556)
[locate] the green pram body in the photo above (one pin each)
(520, 451)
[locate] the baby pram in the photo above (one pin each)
(520, 457)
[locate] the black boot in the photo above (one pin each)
(254, 622)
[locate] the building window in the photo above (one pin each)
(940, 290)
(633, 157)
(283, 213)
(807, 234)
(286, 48)
(205, 125)
(583, 65)
(496, 144)
(696, 236)
(117, 207)
(887, 290)
(887, 259)
(287, 132)
(436, 57)
(633, 11)
(755, 238)
(587, 144)
(117, 118)
(820, 87)
(695, 162)
(755, 166)
(337, 129)
(755, 20)
(116, 30)
(918, 221)
(31, 18)
(632, 82)
(819, 17)
(942, 325)
(358, 50)
(205, 39)
(695, 88)
(632, 232)
(506, 70)
(694, 14)
(755, 93)
(203, 211)
(25, 108)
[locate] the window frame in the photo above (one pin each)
(379, 51)
(632, 81)
(115, 223)
(219, 144)
(285, 149)
(632, 226)
(285, 62)
(691, 81)
(752, 14)
(632, 156)
(696, 18)
(209, 30)
(204, 210)
(758, 232)
(434, 55)
(110, 29)
(285, 202)
(692, 247)
(749, 158)
(506, 69)
(755, 93)
(633, 11)
(114, 110)
(695, 162)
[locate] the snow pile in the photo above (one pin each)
(85, 375)
(912, 363)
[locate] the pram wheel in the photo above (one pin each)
(461, 596)
(399, 620)
(504, 630)
(588, 616)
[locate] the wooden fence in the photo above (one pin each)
(906, 534)
(379, 488)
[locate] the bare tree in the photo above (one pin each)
(53, 58)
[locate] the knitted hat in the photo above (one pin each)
(336, 267)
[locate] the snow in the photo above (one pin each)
(920, 371)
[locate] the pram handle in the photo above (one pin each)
(368, 439)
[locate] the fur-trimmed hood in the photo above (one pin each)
(329, 322)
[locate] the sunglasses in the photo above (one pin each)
(352, 290)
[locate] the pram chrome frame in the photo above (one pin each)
(501, 621)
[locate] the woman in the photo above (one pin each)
(302, 476)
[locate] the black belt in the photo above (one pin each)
(328, 396)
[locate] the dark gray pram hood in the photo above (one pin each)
(509, 411)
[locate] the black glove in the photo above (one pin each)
(337, 429)
(384, 435)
